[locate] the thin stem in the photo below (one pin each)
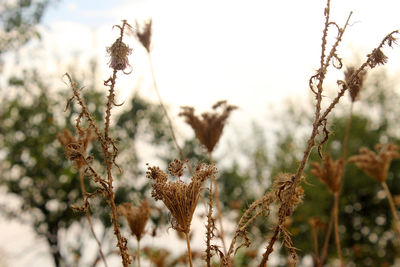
(166, 114)
(314, 232)
(83, 191)
(138, 252)
(189, 250)
(327, 238)
(392, 207)
(219, 208)
(336, 221)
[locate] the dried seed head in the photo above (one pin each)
(209, 127)
(143, 33)
(75, 148)
(137, 217)
(175, 168)
(354, 84)
(180, 198)
(376, 165)
(377, 57)
(330, 172)
(119, 53)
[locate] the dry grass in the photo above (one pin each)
(181, 198)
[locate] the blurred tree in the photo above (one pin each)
(18, 20)
(33, 166)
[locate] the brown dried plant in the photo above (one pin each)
(137, 217)
(316, 83)
(119, 52)
(376, 165)
(209, 126)
(208, 129)
(143, 33)
(76, 149)
(354, 84)
(180, 198)
(330, 172)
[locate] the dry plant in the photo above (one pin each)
(137, 218)
(76, 151)
(376, 165)
(208, 129)
(180, 198)
(119, 53)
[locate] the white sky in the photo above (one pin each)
(252, 53)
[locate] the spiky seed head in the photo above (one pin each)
(329, 172)
(209, 127)
(143, 33)
(376, 165)
(377, 57)
(355, 83)
(180, 198)
(137, 217)
(119, 52)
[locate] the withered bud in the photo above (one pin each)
(329, 172)
(355, 83)
(143, 34)
(377, 57)
(376, 165)
(119, 53)
(137, 217)
(209, 127)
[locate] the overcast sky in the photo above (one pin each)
(252, 53)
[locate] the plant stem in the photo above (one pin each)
(83, 191)
(189, 250)
(166, 114)
(219, 208)
(138, 253)
(336, 221)
(392, 208)
(327, 238)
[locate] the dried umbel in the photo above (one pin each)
(119, 51)
(330, 172)
(208, 128)
(137, 217)
(180, 198)
(354, 84)
(143, 34)
(75, 147)
(376, 165)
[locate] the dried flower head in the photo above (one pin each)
(143, 33)
(376, 165)
(180, 198)
(282, 185)
(137, 217)
(330, 172)
(119, 51)
(377, 57)
(354, 84)
(75, 147)
(208, 128)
